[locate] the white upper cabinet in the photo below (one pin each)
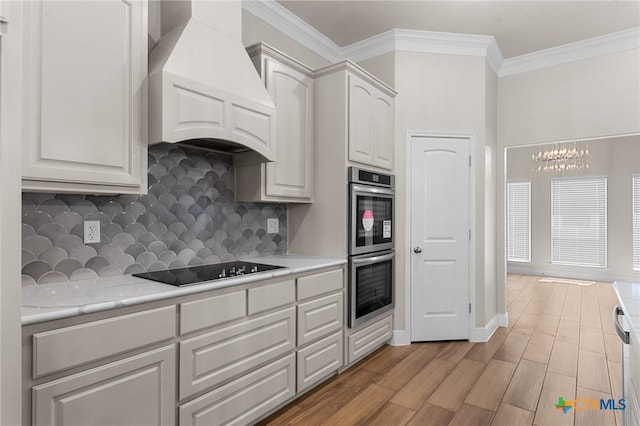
(85, 94)
(290, 178)
(370, 123)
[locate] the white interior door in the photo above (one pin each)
(440, 238)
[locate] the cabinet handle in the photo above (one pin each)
(624, 335)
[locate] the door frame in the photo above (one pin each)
(410, 134)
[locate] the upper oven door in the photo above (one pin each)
(371, 219)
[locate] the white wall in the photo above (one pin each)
(590, 98)
(598, 97)
(617, 159)
(448, 94)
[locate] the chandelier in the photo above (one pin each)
(561, 157)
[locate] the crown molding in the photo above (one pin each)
(285, 21)
(282, 19)
(425, 42)
(572, 52)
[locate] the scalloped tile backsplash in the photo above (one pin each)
(189, 217)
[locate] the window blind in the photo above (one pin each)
(636, 223)
(519, 221)
(579, 222)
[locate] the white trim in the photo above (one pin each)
(483, 334)
(591, 274)
(503, 319)
(400, 338)
(472, 221)
(282, 19)
(279, 17)
(572, 52)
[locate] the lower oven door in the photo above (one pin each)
(371, 285)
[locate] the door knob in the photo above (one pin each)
(417, 249)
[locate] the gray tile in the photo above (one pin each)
(83, 274)
(53, 256)
(37, 219)
(188, 217)
(68, 219)
(36, 244)
(36, 268)
(83, 253)
(52, 277)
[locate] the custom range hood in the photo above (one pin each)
(204, 90)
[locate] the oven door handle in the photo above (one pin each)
(375, 259)
(371, 189)
(624, 335)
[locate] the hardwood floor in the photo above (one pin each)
(560, 342)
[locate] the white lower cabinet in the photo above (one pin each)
(319, 317)
(244, 400)
(223, 357)
(368, 338)
(139, 390)
(319, 360)
(215, 357)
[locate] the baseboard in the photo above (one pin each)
(589, 274)
(503, 319)
(483, 334)
(400, 338)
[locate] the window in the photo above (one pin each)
(636, 223)
(519, 221)
(579, 222)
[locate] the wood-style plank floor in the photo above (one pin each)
(560, 342)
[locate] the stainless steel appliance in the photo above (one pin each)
(197, 274)
(371, 254)
(625, 336)
(371, 204)
(371, 279)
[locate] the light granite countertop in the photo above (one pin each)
(46, 302)
(629, 300)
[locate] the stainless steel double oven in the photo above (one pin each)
(371, 246)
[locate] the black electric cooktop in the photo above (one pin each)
(197, 274)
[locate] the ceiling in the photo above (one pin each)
(520, 27)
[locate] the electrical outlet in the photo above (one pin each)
(272, 225)
(91, 231)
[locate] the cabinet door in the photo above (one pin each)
(86, 64)
(213, 358)
(292, 92)
(383, 117)
(246, 399)
(369, 338)
(139, 390)
(360, 115)
(320, 317)
(319, 360)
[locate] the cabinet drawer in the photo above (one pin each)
(212, 358)
(320, 317)
(364, 341)
(68, 347)
(271, 296)
(245, 400)
(139, 390)
(319, 360)
(316, 285)
(212, 311)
